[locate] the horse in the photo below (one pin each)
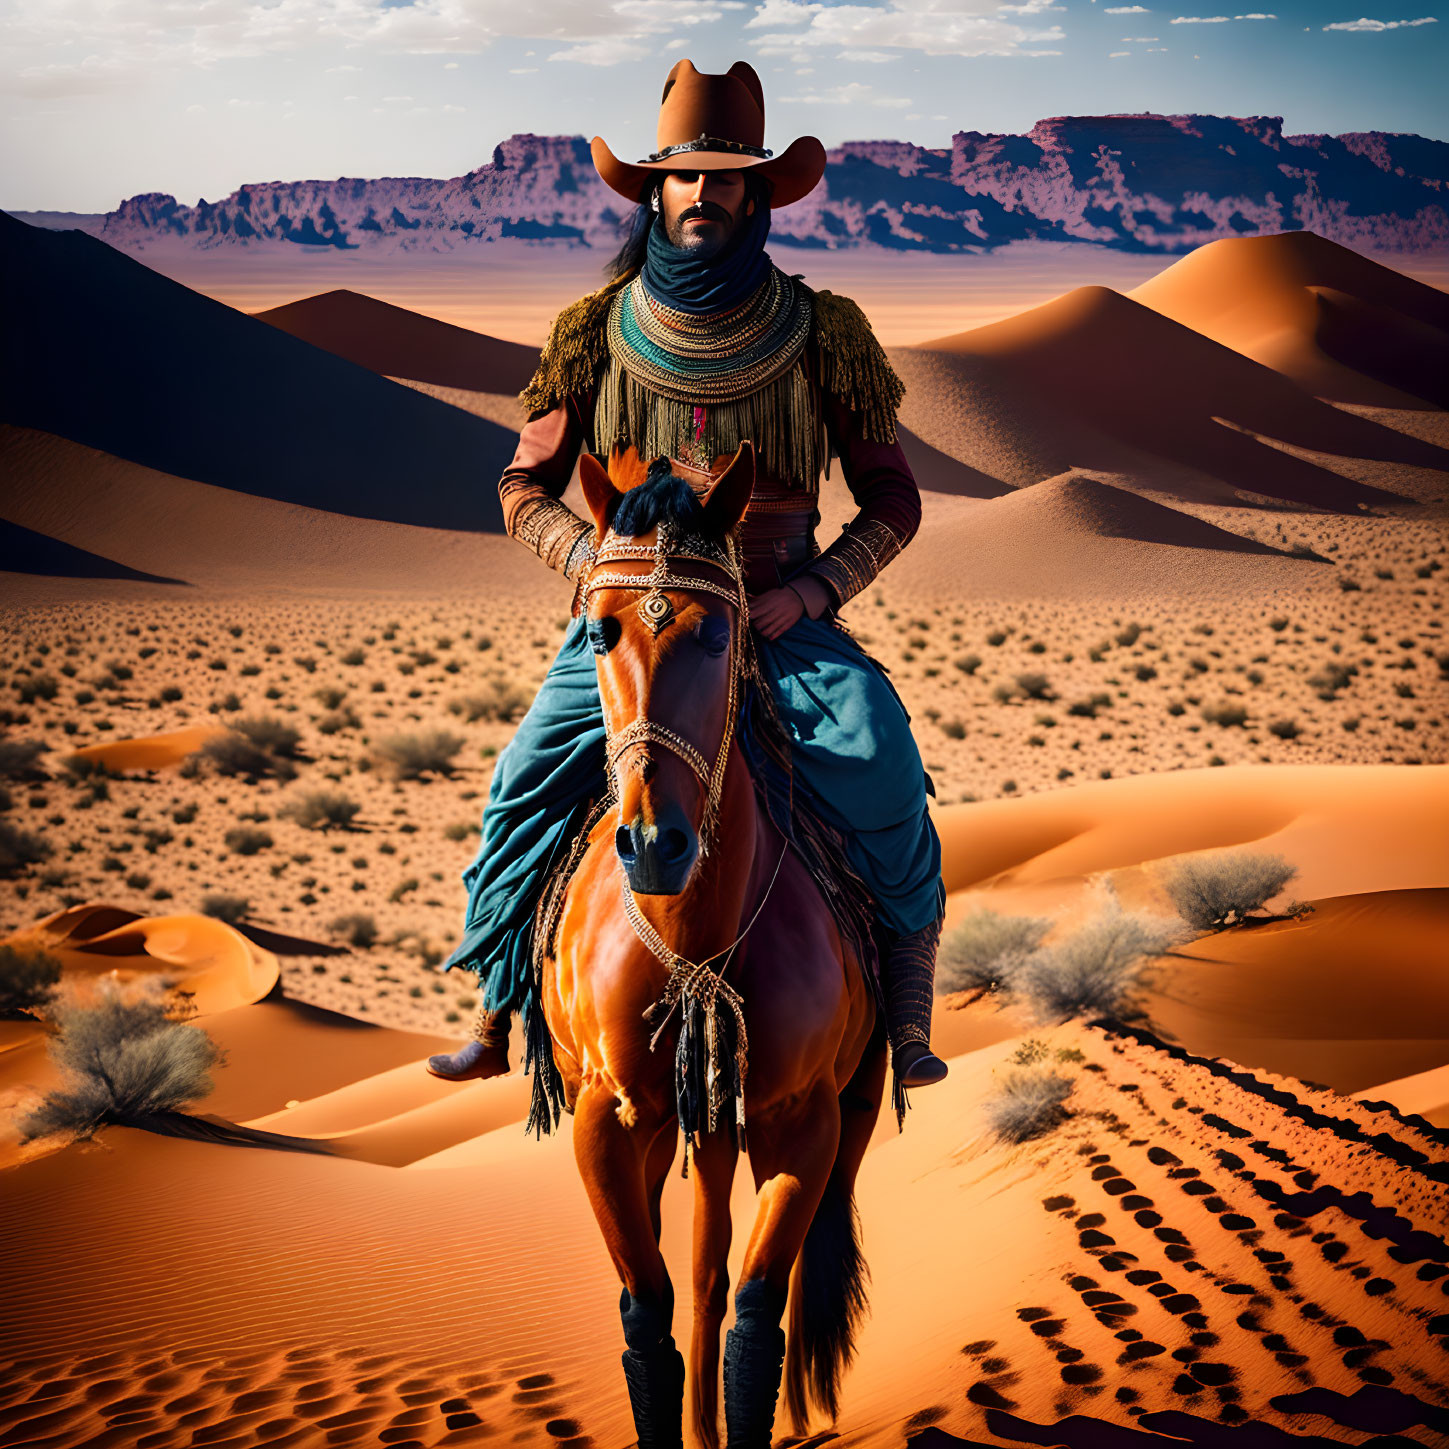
(683, 868)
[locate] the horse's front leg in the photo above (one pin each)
(623, 1169)
(714, 1174)
(792, 1153)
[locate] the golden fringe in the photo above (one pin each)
(854, 366)
(578, 342)
(789, 435)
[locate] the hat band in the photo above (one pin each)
(709, 143)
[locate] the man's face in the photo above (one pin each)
(701, 209)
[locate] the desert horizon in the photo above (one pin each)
(1175, 604)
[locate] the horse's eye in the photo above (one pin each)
(604, 633)
(713, 634)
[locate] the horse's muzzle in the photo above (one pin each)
(657, 859)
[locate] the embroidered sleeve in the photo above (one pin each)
(882, 484)
(532, 485)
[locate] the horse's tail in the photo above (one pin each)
(827, 1302)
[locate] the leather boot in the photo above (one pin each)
(654, 1373)
(485, 1056)
(754, 1357)
(910, 986)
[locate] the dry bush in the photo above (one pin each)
(1092, 972)
(1027, 1104)
(321, 810)
(987, 950)
(27, 981)
(234, 754)
(1215, 890)
(357, 929)
(408, 757)
(18, 757)
(497, 699)
(247, 840)
(125, 1061)
(222, 907)
(19, 848)
(270, 734)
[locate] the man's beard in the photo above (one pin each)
(702, 243)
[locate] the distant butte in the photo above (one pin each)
(1137, 182)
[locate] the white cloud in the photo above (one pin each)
(129, 44)
(933, 27)
(1126, 10)
(1116, 54)
(873, 57)
(1139, 39)
(1200, 20)
(342, 69)
(853, 93)
(609, 51)
(1376, 25)
(451, 65)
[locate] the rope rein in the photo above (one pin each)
(708, 1069)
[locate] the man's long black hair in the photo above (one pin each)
(630, 256)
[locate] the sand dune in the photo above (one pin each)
(230, 540)
(1095, 379)
(150, 752)
(1339, 324)
(1424, 1094)
(207, 393)
(399, 342)
(1077, 536)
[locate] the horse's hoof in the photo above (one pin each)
(473, 1061)
(919, 1066)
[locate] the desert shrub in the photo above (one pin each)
(1226, 714)
(987, 949)
(27, 980)
(1217, 889)
(223, 907)
(1027, 1104)
(274, 736)
(1087, 708)
(408, 757)
(321, 810)
(1034, 686)
(124, 1061)
(18, 757)
(968, 663)
(1093, 971)
(247, 840)
(1285, 729)
(339, 719)
(234, 754)
(357, 929)
(19, 848)
(497, 698)
(1334, 675)
(36, 686)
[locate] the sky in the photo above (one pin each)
(105, 99)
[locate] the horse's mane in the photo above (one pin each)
(661, 495)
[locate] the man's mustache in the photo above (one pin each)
(706, 209)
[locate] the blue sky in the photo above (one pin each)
(106, 98)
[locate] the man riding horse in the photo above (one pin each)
(696, 344)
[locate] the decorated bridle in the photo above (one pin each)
(674, 546)
(692, 985)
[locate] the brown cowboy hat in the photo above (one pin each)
(714, 123)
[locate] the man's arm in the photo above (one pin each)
(884, 487)
(532, 486)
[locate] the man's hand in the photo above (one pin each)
(776, 610)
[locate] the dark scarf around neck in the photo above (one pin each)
(679, 279)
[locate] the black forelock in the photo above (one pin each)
(662, 494)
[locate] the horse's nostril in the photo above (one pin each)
(673, 845)
(624, 843)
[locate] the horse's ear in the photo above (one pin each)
(599, 490)
(729, 495)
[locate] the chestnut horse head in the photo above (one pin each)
(668, 620)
